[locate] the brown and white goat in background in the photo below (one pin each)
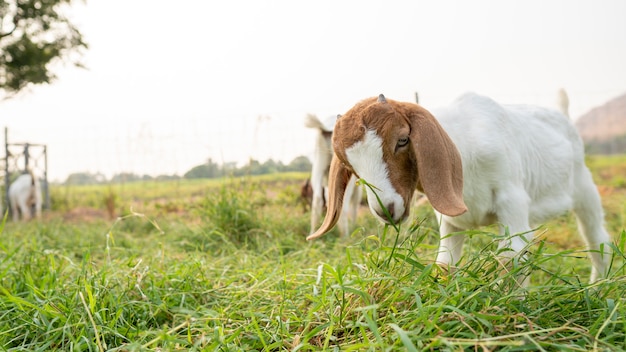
(24, 195)
(322, 156)
(477, 161)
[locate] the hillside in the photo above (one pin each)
(604, 127)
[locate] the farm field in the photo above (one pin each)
(222, 265)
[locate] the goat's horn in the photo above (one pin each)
(381, 98)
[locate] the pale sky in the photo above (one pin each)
(172, 83)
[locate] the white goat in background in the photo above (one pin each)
(319, 178)
(563, 102)
(24, 194)
(478, 162)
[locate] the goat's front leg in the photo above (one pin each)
(15, 213)
(25, 210)
(513, 213)
(450, 245)
(317, 205)
(346, 212)
(343, 224)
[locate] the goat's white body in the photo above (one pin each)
(506, 150)
(322, 155)
(24, 193)
(478, 162)
(522, 165)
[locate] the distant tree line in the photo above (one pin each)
(615, 145)
(210, 169)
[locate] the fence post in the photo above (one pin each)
(26, 156)
(45, 178)
(7, 180)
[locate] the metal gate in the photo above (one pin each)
(21, 157)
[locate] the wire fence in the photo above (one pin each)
(173, 145)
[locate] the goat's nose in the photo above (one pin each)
(390, 209)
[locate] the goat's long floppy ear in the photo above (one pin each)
(338, 177)
(438, 163)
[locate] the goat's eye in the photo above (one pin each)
(402, 142)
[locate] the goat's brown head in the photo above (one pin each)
(397, 148)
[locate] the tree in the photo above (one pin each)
(84, 178)
(33, 35)
(301, 163)
(208, 170)
(124, 177)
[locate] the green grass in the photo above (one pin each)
(609, 170)
(224, 267)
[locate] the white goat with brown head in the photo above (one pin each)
(322, 156)
(478, 163)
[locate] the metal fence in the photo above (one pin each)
(21, 157)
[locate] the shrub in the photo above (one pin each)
(231, 213)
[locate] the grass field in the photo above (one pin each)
(222, 265)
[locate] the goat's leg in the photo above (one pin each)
(450, 245)
(345, 218)
(25, 210)
(15, 211)
(590, 219)
(350, 207)
(513, 211)
(38, 209)
(343, 224)
(317, 205)
(355, 199)
(513, 216)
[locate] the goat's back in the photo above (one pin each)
(505, 147)
(312, 121)
(23, 183)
